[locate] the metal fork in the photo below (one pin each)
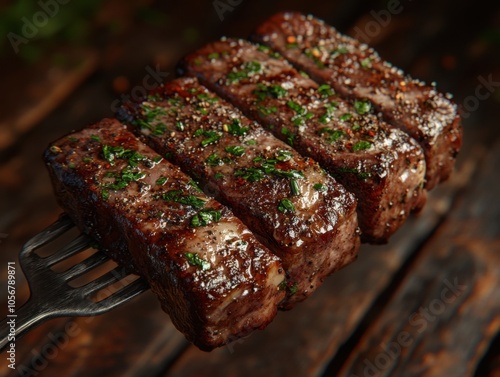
(51, 295)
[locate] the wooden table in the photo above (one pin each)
(425, 304)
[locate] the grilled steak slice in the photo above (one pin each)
(300, 212)
(382, 166)
(357, 71)
(211, 275)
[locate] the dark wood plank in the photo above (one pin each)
(447, 311)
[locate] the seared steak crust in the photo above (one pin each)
(301, 213)
(356, 71)
(381, 165)
(211, 275)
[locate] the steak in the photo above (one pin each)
(212, 276)
(356, 71)
(299, 212)
(381, 165)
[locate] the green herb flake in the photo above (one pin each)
(71, 165)
(319, 187)
(250, 174)
(283, 155)
(332, 135)
(236, 129)
(356, 127)
(285, 205)
(161, 181)
(180, 126)
(263, 48)
(95, 138)
(251, 142)
(290, 137)
(195, 260)
(218, 176)
(325, 90)
(366, 63)
(361, 145)
(362, 106)
(87, 159)
(296, 107)
(293, 289)
(266, 111)
(105, 195)
(339, 51)
(235, 150)
(214, 55)
(345, 117)
(294, 187)
(204, 217)
(178, 197)
(214, 160)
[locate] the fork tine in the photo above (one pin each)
(80, 243)
(84, 266)
(112, 276)
(130, 291)
(53, 231)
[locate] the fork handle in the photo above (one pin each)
(14, 326)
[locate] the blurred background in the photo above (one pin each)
(66, 64)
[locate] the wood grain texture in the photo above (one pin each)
(446, 312)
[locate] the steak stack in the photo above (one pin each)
(209, 187)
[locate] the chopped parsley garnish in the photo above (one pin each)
(263, 48)
(247, 69)
(251, 142)
(205, 217)
(87, 159)
(194, 185)
(180, 126)
(293, 289)
(361, 145)
(285, 205)
(356, 127)
(332, 135)
(213, 55)
(325, 90)
(275, 91)
(159, 129)
(218, 176)
(267, 110)
(178, 197)
(362, 106)
(235, 128)
(124, 178)
(366, 63)
(161, 181)
(294, 187)
(250, 174)
(105, 195)
(235, 150)
(319, 187)
(95, 138)
(339, 51)
(210, 136)
(283, 155)
(290, 137)
(296, 107)
(195, 260)
(205, 97)
(111, 153)
(346, 116)
(214, 160)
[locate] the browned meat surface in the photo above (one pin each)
(212, 276)
(381, 165)
(300, 212)
(356, 71)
